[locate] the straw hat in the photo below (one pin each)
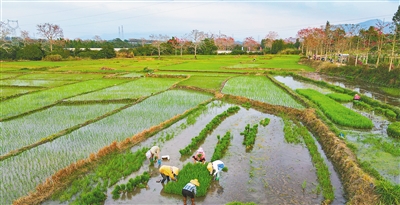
(209, 167)
(175, 170)
(195, 182)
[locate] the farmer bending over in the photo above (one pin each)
(190, 190)
(200, 156)
(152, 153)
(168, 172)
(215, 167)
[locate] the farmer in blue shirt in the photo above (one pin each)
(190, 190)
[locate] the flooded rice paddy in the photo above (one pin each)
(274, 172)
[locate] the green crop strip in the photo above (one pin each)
(393, 130)
(292, 133)
(139, 181)
(250, 134)
(323, 173)
(259, 88)
(335, 111)
(129, 90)
(264, 122)
(222, 146)
(190, 171)
(107, 174)
(196, 141)
(41, 99)
(340, 97)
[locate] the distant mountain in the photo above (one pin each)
(366, 24)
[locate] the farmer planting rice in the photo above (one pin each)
(215, 168)
(168, 172)
(189, 190)
(152, 153)
(200, 156)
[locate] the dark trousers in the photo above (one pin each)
(164, 177)
(187, 193)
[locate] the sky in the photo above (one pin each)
(127, 19)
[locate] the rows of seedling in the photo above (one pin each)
(43, 160)
(34, 83)
(259, 88)
(37, 100)
(296, 131)
(340, 97)
(129, 90)
(191, 171)
(217, 120)
(249, 136)
(393, 130)
(108, 173)
(335, 111)
(32, 128)
(137, 182)
(367, 102)
(222, 146)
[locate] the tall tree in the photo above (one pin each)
(250, 44)
(197, 38)
(396, 27)
(51, 32)
(157, 41)
(270, 38)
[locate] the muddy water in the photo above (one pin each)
(272, 173)
(367, 89)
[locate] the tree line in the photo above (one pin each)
(344, 44)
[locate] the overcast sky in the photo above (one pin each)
(239, 19)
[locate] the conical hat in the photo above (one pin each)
(195, 182)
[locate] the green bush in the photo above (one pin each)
(393, 130)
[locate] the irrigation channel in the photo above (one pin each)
(274, 172)
(386, 164)
(366, 89)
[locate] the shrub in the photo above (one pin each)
(393, 130)
(53, 58)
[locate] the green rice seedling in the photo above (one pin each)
(250, 134)
(259, 88)
(335, 111)
(129, 90)
(361, 105)
(205, 82)
(29, 129)
(304, 185)
(48, 97)
(389, 193)
(196, 141)
(340, 97)
(393, 130)
(221, 147)
(35, 83)
(291, 131)
(191, 119)
(190, 171)
(264, 122)
(139, 181)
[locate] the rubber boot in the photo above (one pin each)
(184, 200)
(192, 201)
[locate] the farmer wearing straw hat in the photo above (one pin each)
(152, 153)
(200, 156)
(168, 172)
(190, 190)
(216, 167)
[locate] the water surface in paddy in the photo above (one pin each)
(272, 173)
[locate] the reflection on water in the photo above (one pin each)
(366, 89)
